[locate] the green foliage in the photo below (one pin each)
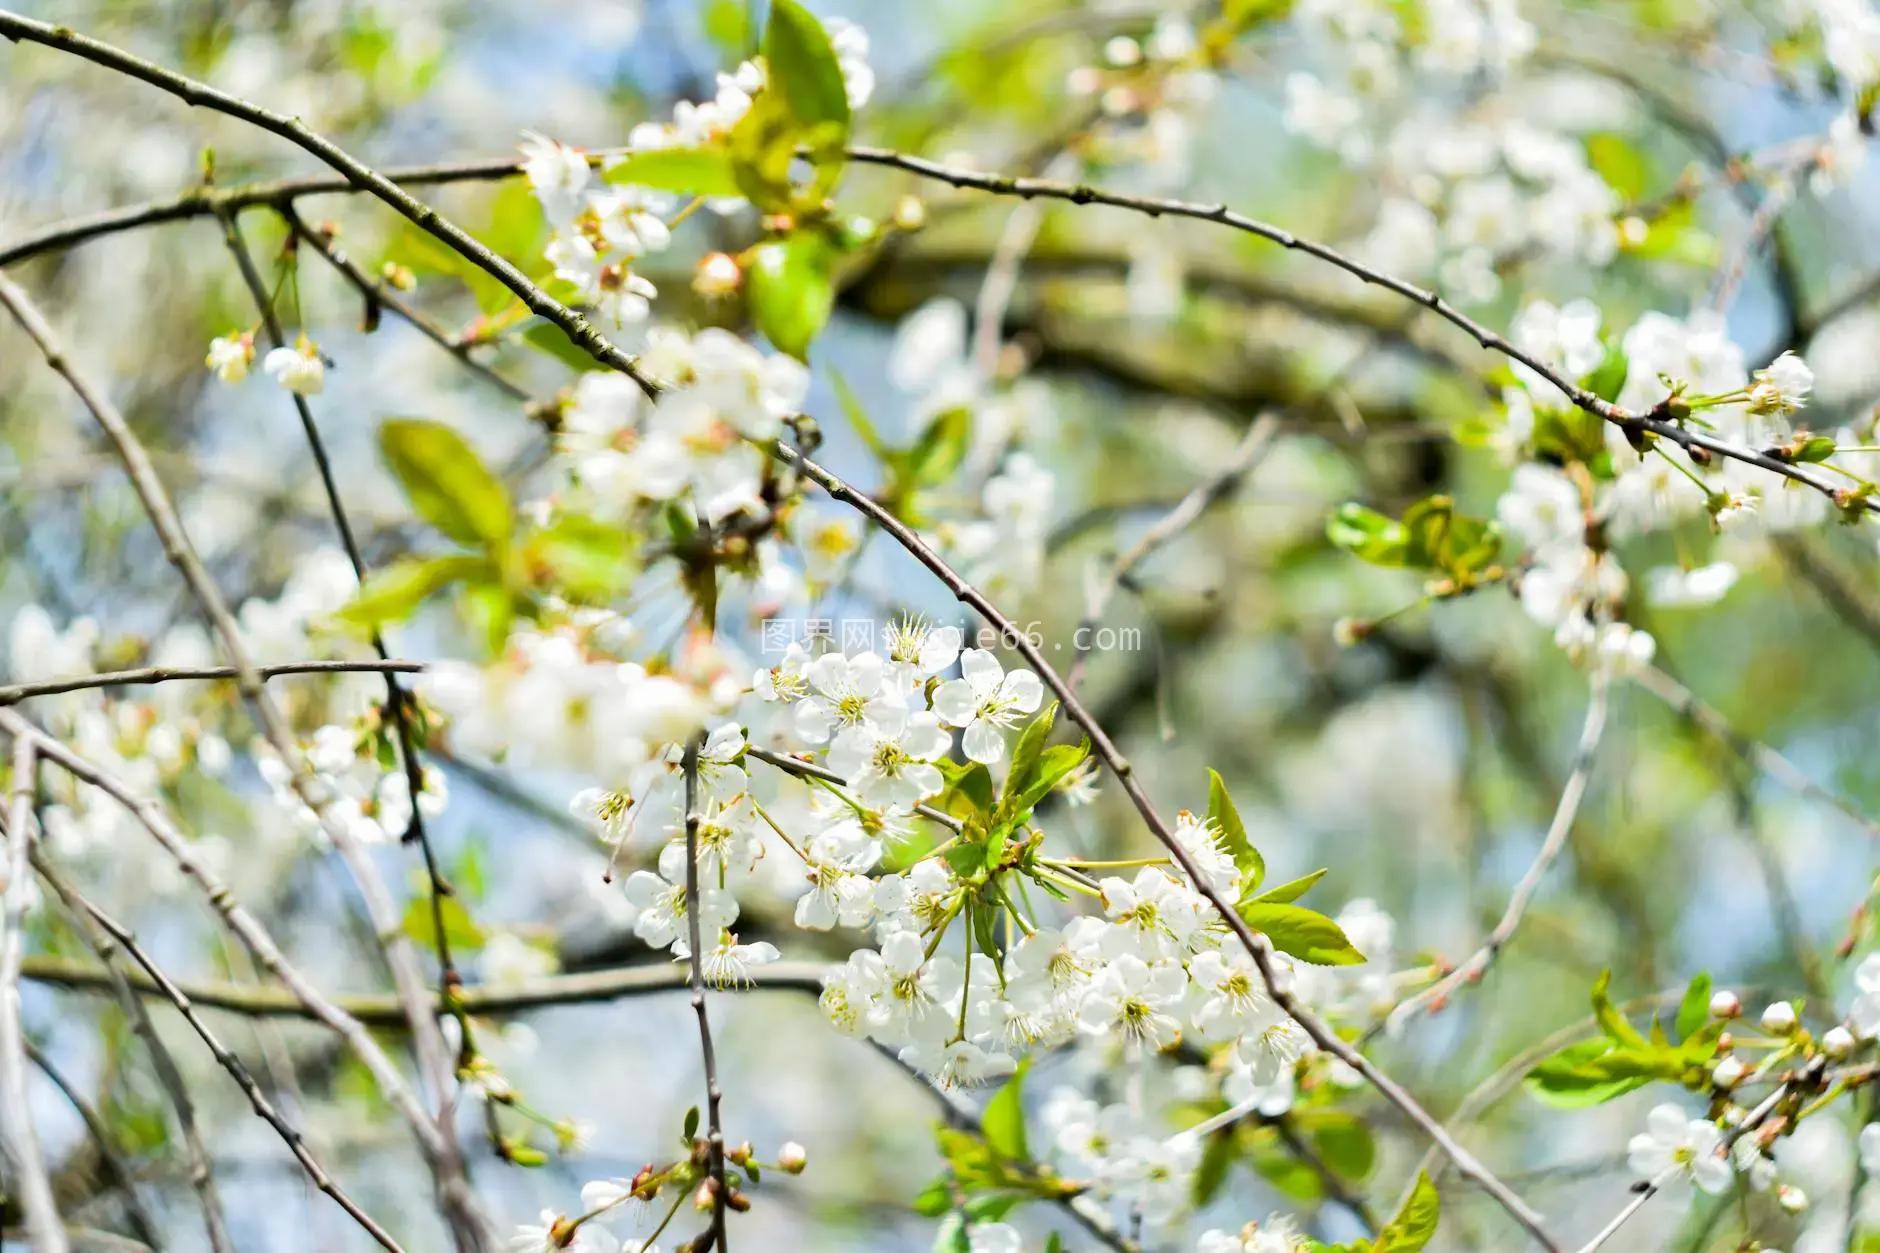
(1431, 536)
(691, 171)
(1004, 1120)
(1621, 1059)
(1415, 1224)
(393, 593)
(460, 929)
(1232, 834)
(447, 483)
(791, 289)
(1303, 933)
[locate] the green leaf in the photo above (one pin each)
(1053, 764)
(940, 448)
(690, 1132)
(691, 171)
(1415, 1223)
(1593, 1072)
(1815, 448)
(585, 560)
(393, 593)
(1026, 755)
(1004, 1121)
(1301, 932)
(1343, 1142)
(1442, 539)
(791, 290)
(972, 785)
(1292, 891)
(1217, 1158)
(548, 338)
(1615, 159)
(460, 929)
(857, 415)
(1694, 1009)
(804, 70)
(1368, 535)
(1233, 834)
(447, 483)
(1610, 1020)
(933, 1200)
(1608, 378)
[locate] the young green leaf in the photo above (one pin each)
(1233, 834)
(856, 413)
(1025, 757)
(791, 290)
(447, 483)
(1415, 1223)
(1368, 535)
(460, 929)
(804, 69)
(1610, 1020)
(1004, 1121)
(1301, 932)
(691, 171)
(1694, 1009)
(393, 593)
(940, 448)
(1288, 892)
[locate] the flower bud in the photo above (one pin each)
(719, 274)
(1838, 1042)
(1779, 1018)
(1792, 1199)
(1348, 631)
(909, 213)
(706, 1198)
(739, 1154)
(1726, 1004)
(792, 1158)
(739, 1202)
(1729, 1072)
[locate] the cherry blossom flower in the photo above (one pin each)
(986, 701)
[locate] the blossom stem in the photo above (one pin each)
(715, 1136)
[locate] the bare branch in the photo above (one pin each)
(383, 1012)
(714, 1095)
(19, 1143)
(1251, 450)
(14, 693)
(114, 1164)
(438, 1138)
(233, 1064)
(1433, 998)
(201, 95)
(112, 976)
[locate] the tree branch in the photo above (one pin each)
(19, 1143)
(14, 693)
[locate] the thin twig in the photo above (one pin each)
(1772, 763)
(429, 1056)
(19, 1143)
(115, 1167)
(812, 770)
(244, 924)
(437, 1138)
(582, 332)
(714, 1125)
(201, 95)
(1437, 995)
(16, 692)
(1278, 983)
(112, 976)
(239, 1072)
(1245, 457)
(379, 293)
(383, 1012)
